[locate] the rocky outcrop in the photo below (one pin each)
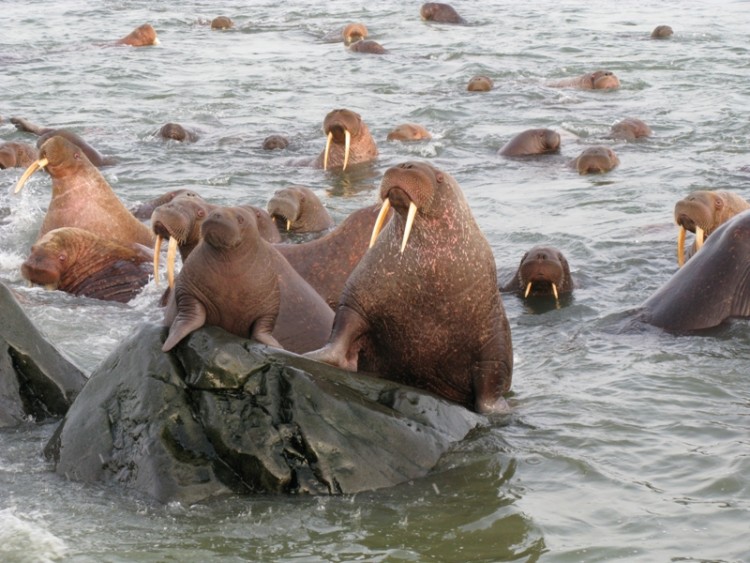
(36, 381)
(221, 414)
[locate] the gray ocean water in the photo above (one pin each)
(622, 446)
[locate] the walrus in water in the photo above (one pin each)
(532, 142)
(45, 133)
(422, 307)
(349, 33)
(237, 281)
(711, 288)
(408, 132)
(597, 80)
(440, 12)
(144, 210)
(273, 142)
(348, 141)
(595, 160)
(177, 132)
(81, 197)
(367, 46)
(142, 36)
(543, 272)
(662, 32)
(80, 262)
(222, 22)
(480, 84)
(630, 129)
(298, 209)
(17, 155)
(702, 212)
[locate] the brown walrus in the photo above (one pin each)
(144, 210)
(661, 32)
(367, 46)
(597, 80)
(480, 84)
(273, 142)
(702, 212)
(44, 133)
(595, 160)
(80, 262)
(532, 142)
(543, 272)
(236, 280)
(142, 36)
(222, 22)
(629, 129)
(422, 307)
(178, 132)
(348, 141)
(349, 33)
(298, 209)
(17, 155)
(408, 132)
(440, 12)
(81, 197)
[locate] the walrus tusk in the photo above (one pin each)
(171, 254)
(554, 291)
(528, 290)
(288, 224)
(379, 221)
(698, 238)
(409, 223)
(157, 247)
(347, 145)
(681, 247)
(328, 148)
(33, 167)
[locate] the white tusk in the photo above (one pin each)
(681, 247)
(33, 167)
(554, 291)
(157, 248)
(409, 223)
(528, 290)
(328, 148)
(698, 238)
(171, 255)
(379, 221)
(347, 145)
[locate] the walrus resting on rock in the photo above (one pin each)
(298, 209)
(142, 36)
(711, 288)
(17, 155)
(543, 272)
(702, 212)
(237, 281)
(440, 12)
(532, 142)
(422, 307)
(595, 160)
(81, 197)
(597, 80)
(348, 141)
(79, 262)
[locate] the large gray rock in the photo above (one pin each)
(220, 414)
(36, 381)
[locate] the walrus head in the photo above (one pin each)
(59, 156)
(340, 125)
(595, 160)
(544, 271)
(142, 36)
(353, 32)
(226, 228)
(604, 80)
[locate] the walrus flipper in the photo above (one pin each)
(191, 315)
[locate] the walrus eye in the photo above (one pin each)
(61, 257)
(200, 213)
(240, 219)
(439, 177)
(77, 156)
(719, 204)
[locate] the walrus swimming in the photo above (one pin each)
(275, 141)
(142, 36)
(629, 129)
(348, 141)
(349, 33)
(422, 307)
(144, 210)
(597, 80)
(702, 212)
(532, 142)
(408, 132)
(222, 22)
(178, 132)
(595, 160)
(367, 46)
(298, 209)
(236, 280)
(543, 272)
(661, 32)
(81, 197)
(17, 155)
(440, 12)
(480, 84)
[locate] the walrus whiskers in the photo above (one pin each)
(157, 247)
(171, 255)
(33, 167)
(379, 221)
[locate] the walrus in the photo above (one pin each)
(422, 307)
(144, 210)
(178, 132)
(17, 155)
(597, 80)
(629, 129)
(408, 132)
(702, 212)
(712, 286)
(543, 272)
(367, 46)
(480, 84)
(348, 141)
(142, 36)
(236, 280)
(532, 142)
(349, 33)
(45, 133)
(439, 12)
(595, 160)
(298, 209)
(80, 262)
(273, 142)
(661, 32)
(81, 197)
(222, 22)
